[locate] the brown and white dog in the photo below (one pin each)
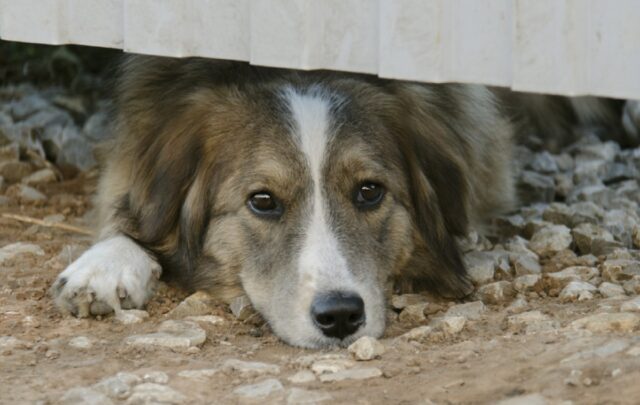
(310, 192)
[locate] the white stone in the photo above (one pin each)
(331, 365)
(452, 325)
(116, 387)
(156, 377)
(366, 348)
(351, 374)
(526, 283)
(199, 374)
(150, 393)
(172, 334)
(299, 396)
(529, 399)
(301, 377)
(198, 303)
(607, 322)
(480, 267)
(400, 302)
(27, 193)
(8, 343)
(84, 395)
(550, 239)
(131, 316)
(414, 313)
(577, 291)
(470, 310)
(248, 369)
(241, 307)
(633, 305)
(531, 321)
(210, 319)
(80, 342)
(497, 292)
(610, 290)
(261, 389)
(418, 334)
(40, 177)
(13, 250)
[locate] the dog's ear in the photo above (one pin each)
(434, 157)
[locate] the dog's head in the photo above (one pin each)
(310, 194)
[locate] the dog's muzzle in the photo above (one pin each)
(338, 314)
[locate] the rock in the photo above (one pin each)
(598, 194)
(241, 308)
(14, 250)
(528, 399)
(201, 374)
(366, 348)
(591, 238)
(535, 187)
(399, 302)
(632, 286)
(527, 283)
(526, 264)
(470, 310)
(301, 377)
(413, 314)
(517, 306)
(97, 126)
(131, 316)
(560, 279)
(84, 395)
(249, 369)
(564, 185)
(149, 393)
(198, 303)
(81, 342)
(633, 305)
(324, 366)
(636, 237)
(531, 321)
(577, 291)
(9, 152)
(619, 270)
(261, 389)
(518, 246)
(9, 343)
(609, 290)
(118, 386)
(499, 292)
(607, 322)
(452, 325)
(559, 214)
(480, 267)
(156, 377)
(550, 239)
(634, 351)
(543, 162)
(298, 396)
(419, 334)
(29, 194)
(209, 319)
(171, 334)
(352, 374)
(14, 171)
(42, 176)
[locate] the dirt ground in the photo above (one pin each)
(493, 358)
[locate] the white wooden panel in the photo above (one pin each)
(571, 47)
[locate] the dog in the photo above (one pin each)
(315, 194)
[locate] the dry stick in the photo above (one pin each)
(57, 225)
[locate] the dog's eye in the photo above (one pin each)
(368, 195)
(264, 204)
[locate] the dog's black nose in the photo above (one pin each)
(338, 314)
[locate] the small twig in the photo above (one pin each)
(57, 225)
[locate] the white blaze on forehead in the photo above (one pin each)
(321, 264)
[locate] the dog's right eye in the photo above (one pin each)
(265, 205)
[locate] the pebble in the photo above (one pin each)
(577, 291)
(634, 351)
(81, 342)
(301, 377)
(198, 303)
(156, 377)
(352, 374)
(526, 264)
(470, 310)
(241, 308)
(608, 322)
(150, 393)
(632, 286)
(618, 270)
(413, 314)
(29, 194)
(610, 290)
(116, 387)
(400, 302)
(299, 396)
(526, 283)
(171, 334)
(199, 374)
(480, 267)
(590, 238)
(261, 389)
(633, 305)
(452, 325)
(9, 343)
(249, 369)
(14, 250)
(84, 395)
(528, 399)
(42, 176)
(131, 316)
(560, 279)
(535, 187)
(527, 320)
(550, 239)
(209, 319)
(498, 292)
(14, 171)
(366, 348)
(419, 334)
(325, 366)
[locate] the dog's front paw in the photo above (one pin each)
(113, 274)
(631, 121)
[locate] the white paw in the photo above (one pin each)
(113, 274)
(631, 120)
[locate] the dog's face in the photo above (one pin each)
(314, 218)
(312, 197)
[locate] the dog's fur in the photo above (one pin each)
(196, 138)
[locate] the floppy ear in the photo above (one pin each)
(439, 193)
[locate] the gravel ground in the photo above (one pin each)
(554, 319)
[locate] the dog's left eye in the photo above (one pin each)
(264, 204)
(368, 195)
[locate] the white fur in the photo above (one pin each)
(112, 274)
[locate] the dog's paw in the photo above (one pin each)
(631, 120)
(113, 274)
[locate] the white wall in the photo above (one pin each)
(571, 47)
